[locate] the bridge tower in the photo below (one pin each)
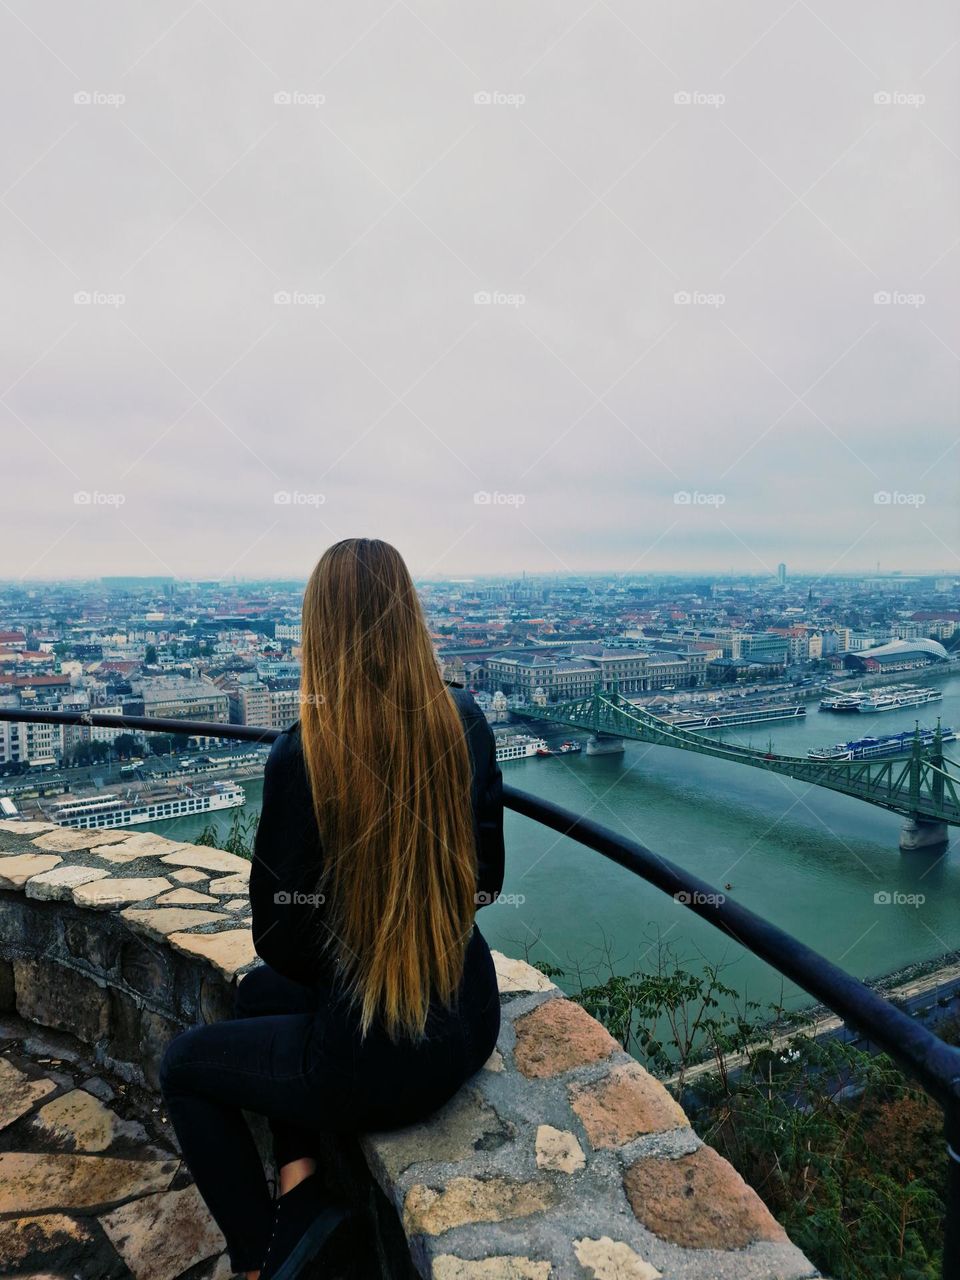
(918, 832)
(600, 743)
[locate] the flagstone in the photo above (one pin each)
(180, 897)
(83, 1121)
(32, 1182)
(104, 894)
(160, 921)
(69, 839)
(191, 855)
(18, 1093)
(59, 883)
(161, 1236)
(230, 885)
(189, 875)
(16, 869)
(229, 950)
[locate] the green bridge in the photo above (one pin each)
(924, 786)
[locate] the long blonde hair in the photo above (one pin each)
(390, 773)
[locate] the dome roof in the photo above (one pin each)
(933, 647)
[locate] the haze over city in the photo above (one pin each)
(380, 259)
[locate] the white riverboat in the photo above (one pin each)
(898, 698)
(154, 804)
(518, 746)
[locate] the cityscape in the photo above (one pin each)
(228, 652)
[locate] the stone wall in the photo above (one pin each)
(561, 1158)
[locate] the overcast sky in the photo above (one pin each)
(777, 163)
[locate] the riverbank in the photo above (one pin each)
(931, 994)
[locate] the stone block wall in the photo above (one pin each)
(562, 1158)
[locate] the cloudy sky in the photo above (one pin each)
(514, 285)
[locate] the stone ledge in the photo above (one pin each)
(561, 1158)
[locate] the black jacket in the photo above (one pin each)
(288, 856)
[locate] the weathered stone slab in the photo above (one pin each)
(17, 868)
(147, 844)
(59, 883)
(84, 1123)
(25, 827)
(189, 875)
(229, 950)
(230, 885)
(32, 1183)
(162, 1236)
(517, 975)
(18, 1093)
(558, 1149)
(116, 857)
(613, 1260)
(68, 840)
(236, 904)
(699, 1202)
(157, 922)
(503, 1267)
(185, 897)
(427, 1211)
(624, 1105)
(192, 855)
(558, 1036)
(56, 996)
(466, 1124)
(53, 1236)
(102, 895)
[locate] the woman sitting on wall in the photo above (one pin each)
(381, 832)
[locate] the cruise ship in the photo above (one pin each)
(518, 746)
(890, 744)
(898, 697)
(838, 701)
(156, 804)
(746, 716)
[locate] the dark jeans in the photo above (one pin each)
(294, 1055)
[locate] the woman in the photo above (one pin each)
(381, 832)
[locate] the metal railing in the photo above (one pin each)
(923, 1056)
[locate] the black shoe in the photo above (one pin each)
(305, 1219)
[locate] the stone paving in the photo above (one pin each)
(91, 1186)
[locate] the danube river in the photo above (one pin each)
(811, 861)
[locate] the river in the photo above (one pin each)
(809, 860)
